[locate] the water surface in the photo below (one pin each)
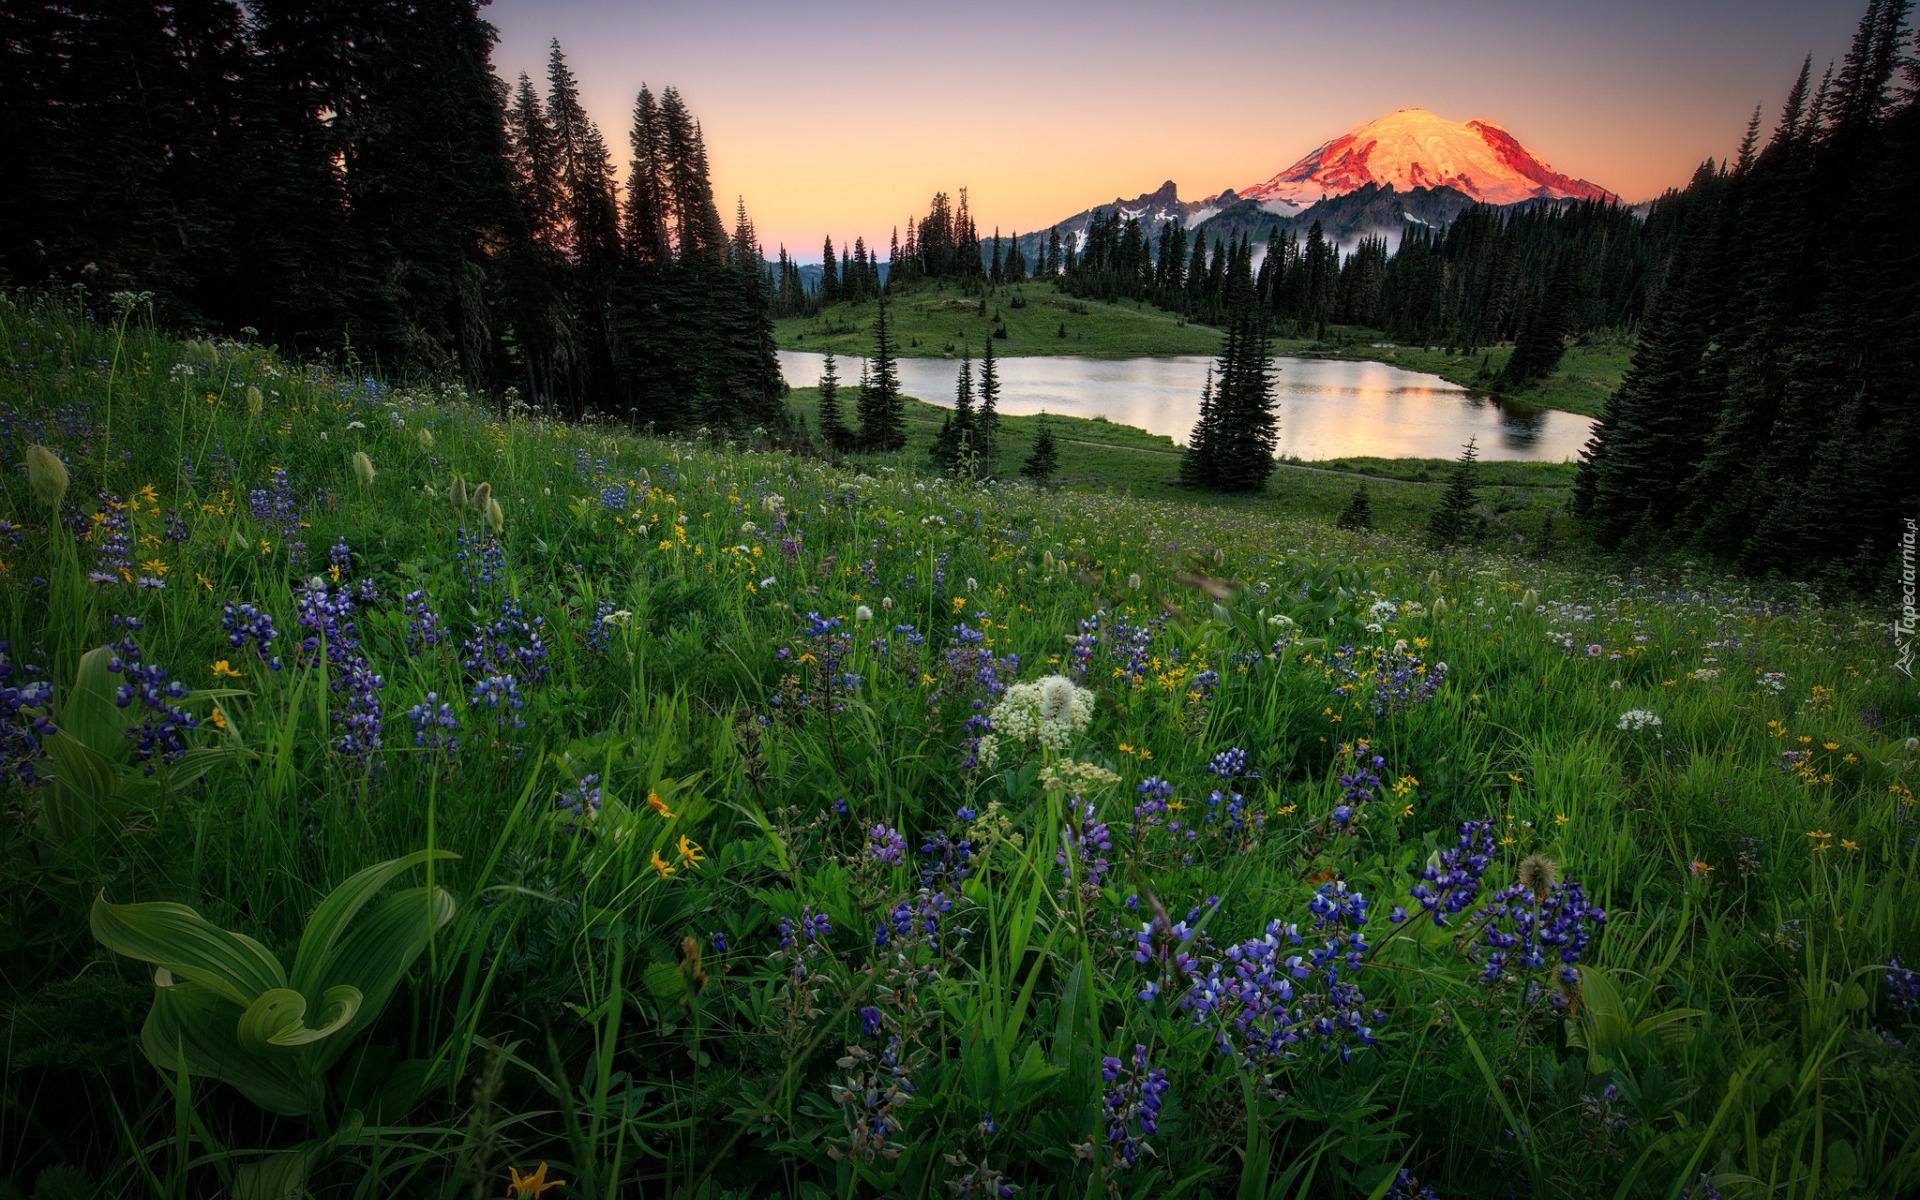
(1328, 408)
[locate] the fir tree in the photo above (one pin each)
(1453, 519)
(833, 430)
(883, 422)
(1358, 514)
(985, 430)
(1196, 465)
(1044, 459)
(829, 275)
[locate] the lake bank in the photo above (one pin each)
(1041, 321)
(1328, 408)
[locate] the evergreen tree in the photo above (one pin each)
(1245, 427)
(833, 430)
(1453, 519)
(883, 422)
(985, 430)
(945, 450)
(1196, 465)
(1543, 338)
(1358, 514)
(963, 414)
(1044, 459)
(829, 275)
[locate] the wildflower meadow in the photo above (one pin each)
(411, 795)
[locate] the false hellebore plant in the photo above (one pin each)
(224, 1007)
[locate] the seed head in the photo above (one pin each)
(47, 475)
(481, 498)
(363, 468)
(1056, 698)
(458, 494)
(426, 440)
(1538, 874)
(255, 401)
(1439, 608)
(496, 516)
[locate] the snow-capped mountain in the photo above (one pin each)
(1408, 167)
(1412, 148)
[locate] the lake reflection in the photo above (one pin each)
(1328, 409)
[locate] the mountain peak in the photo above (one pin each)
(1411, 147)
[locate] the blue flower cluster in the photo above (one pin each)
(1133, 1097)
(1525, 930)
(424, 627)
(510, 643)
(247, 626)
(162, 732)
(21, 725)
(435, 727)
(1451, 882)
(327, 616)
(1903, 986)
(274, 504)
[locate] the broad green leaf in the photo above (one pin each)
(205, 1024)
(312, 966)
(174, 936)
(88, 713)
(377, 952)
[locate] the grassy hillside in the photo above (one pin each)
(930, 321)
(704, 818)
(1103, 456)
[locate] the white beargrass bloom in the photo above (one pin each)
(862, 613)
(1046, 712)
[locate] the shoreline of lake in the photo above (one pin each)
(1329, 408)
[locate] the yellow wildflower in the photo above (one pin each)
(661, 865)
(690, 854)
(531, 1184)
(657, 804)
(224, 670)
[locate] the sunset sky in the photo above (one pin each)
(842, 117)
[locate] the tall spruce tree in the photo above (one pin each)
(883, 421)
(1453, 519)
(1044, 459)
(985, 432)
(833, 429)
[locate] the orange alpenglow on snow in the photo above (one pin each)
(1411, 148)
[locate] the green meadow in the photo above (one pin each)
(408, 796)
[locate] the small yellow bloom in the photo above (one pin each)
(661, 865)
(156, 568)
(532, 1183)
(690, 854)
(1831, 745)
(219, 718)
(657, 804)
(1288, 810)
(959, 602)
(1818, 835)
(224, 670)
(1560, 819)
(1515, 778)
(1700, 868)
(204, 581)
(1847, 845)
(1507, 840)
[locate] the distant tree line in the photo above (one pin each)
(356, 175)
(1488, 277)
(1771, 414)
